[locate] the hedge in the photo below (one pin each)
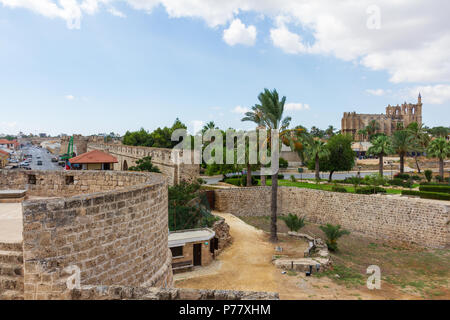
(427, 195)
(435, 188)
(400, 183)
(403, 176)
(338, 189)
(370, 190)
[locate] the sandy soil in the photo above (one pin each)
(246, 265)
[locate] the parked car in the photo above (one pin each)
(54, 159)
(39, 163)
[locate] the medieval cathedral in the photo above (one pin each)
(395, 117)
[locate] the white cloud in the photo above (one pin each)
(197, 125)
(238, 33)
(437, 94)
(69, 97)
(411, 43)
(376, 92)
(288, 41)
(297, 106)
(116, 12)
(240, 110)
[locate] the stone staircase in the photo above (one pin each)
(11, 271)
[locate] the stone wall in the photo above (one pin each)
(114, 229)
(222, 231)
(419, 221)
(162, 158)
(129, 293)
(67, 183)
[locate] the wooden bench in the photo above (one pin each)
(182, 265)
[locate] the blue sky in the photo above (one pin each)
(144, 69)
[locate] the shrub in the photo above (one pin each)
(416, 177)
(439, 178)
(428, 175)
(337, 188)
(427, 195)
(333, 233)
(293, 178)
(403, 176)
(188, 207)
(283, 163)
(244, 181)
(400, 183)
(293, 222)
(233, 181)
(435, 188)
(370, 190)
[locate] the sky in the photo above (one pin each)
(100, 66)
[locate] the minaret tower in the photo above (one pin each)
(418, 110)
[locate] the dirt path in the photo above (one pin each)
(246, 265)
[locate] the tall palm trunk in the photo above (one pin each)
(402, 162)
(249, 175)
(263, 180)
(380, 165)
(317, 168)
(441, 168)
(417, 162)
(273, 207)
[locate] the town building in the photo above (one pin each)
(9, 144)
(394, 118)
(93, 160)
(4, 155)
(193, 247)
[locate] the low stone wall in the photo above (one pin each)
(222, 230)
(161, 157)
(67, 183)
(114, 232)
(129, 293)
(425, 223)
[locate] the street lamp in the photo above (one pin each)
(391, 169)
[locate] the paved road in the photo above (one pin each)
(336, 176)
(45, 157)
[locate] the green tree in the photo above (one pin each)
(341, 157)
(269, 112)
(439, 132)
(316, 150)
(402, 142)
(372, 128)
(362, 133)
(293, 222)
(188, 207)
(381, 146)
(144, 164)
(333, 233)
(330, 131)
(439, 148)
(420, 140)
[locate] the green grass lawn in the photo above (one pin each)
(325, 187)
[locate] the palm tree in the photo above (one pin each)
(372, 128)
(317, 149)
(381, 146)
(330, 131)
(420, 140)
(362, 133)
(402, 143)
(439, 148)
(293, 222)
(333, 233)
(209, 125)
(269, 113)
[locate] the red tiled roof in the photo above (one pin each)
(4, 141)
(4, 152)
(94, 156)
